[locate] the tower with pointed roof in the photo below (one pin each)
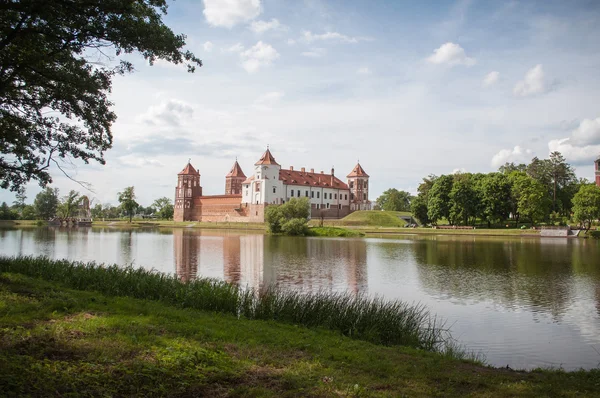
(597, 163)
(358, 183)
(264, 186)
(188, 187)
(234, 180)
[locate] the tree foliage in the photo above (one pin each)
(495, 195)
(46, 203)
(68, 205)
(164, 208)
(56, 71)
(127, 201)
(531, 198)
(394, 200)
(290, 218)
(586, 205)
(438, 203)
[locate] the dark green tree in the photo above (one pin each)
(6, 213)
(394, 200)
(128, 203)
(463, 200)
(531, 198)
(438, 203)
(495, 195)
(46, 203)
(418, 208)
(508, 168)
(164, 208)
(586, 205)
(290, 218)
(56, 70)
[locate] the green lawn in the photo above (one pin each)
(68, 343)
(370, 218)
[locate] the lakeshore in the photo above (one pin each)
(62, 341)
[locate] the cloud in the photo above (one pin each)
(228, 13)
(264, 26)
(236, 48)
(309, 37)
(208, 46)
(268, 100)
(583, 143)
(516, 155)
(170, 113)
(314, 53)
(490, 79)
(136, 161)
(291, 42)
(450, 54)
(261, 54)
(532, 84)
(363, 71)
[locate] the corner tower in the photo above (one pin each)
(597, 163)
(188, 187)
(234, 180)
(358, 182)
(264, 187)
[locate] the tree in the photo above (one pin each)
(68, 205)
(19, 203)
(508, 168)
(463, 200)
(586, 205)
(164, 208)
(6, 213)
(438, 203)
(128, 203)
(46, 203)
(290, 218)
(56, 72)
(394, 200)
(561, 175)
(28, 213)
(495, 194)
(531, 198)
(418, 208)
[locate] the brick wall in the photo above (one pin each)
(333, 212)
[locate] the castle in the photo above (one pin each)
(245, 198)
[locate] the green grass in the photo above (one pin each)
(334, 232)
(371, 218)
(69, 343)
(357, 316)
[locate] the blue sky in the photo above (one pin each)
(409, 88)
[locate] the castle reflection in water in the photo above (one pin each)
(255, 260)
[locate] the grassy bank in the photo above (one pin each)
(371, 218)
(60, 342)
(360, 317)
(334, 232)
(182, 224)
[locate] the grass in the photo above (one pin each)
(359, 317)
(370, 218)
(70, 343)
(334, 232)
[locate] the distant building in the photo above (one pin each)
(598, 171)
(245, 198)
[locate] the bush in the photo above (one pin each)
(295, 226)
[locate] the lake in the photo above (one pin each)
(522, 302)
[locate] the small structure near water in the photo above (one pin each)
(558, 232)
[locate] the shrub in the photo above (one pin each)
(295, 226)
(290, 218)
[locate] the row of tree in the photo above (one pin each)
(49, 204)
(545, 190)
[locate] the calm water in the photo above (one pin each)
(521, 302)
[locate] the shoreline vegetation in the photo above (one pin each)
(88, 330)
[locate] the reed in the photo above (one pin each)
(361, 317)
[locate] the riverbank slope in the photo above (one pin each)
(56, 341)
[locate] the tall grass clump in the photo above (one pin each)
(357, 316)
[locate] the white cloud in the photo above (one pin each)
(583, 144)
(291, 42)
(533, 83)
(208, 46)
(450, 54)
(236, 48)
(170, 113)
(228, 13)
(261, 54)
(314, 53)
(264, 26)
(309, 37)
(460, 170)
(363, 71)
(136, 161)
(268, 100)
(490, 79)
(517, 155)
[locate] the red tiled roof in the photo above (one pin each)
(248, 180)
(266, 158)
(357, 171)
(189, 169)
(294, 177)
(236, 171)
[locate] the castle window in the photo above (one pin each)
(346, 197)
(257, 187)
(335, 196)
(317, 206)
(312, 194)
(318, 194)
(306, 193)
(298, 193)
(274, 189)
(330, 195)
(351, 184)
(340, 207)
(292, 193)
(351, 196)
(328, 205)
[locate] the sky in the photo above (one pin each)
(408, 88)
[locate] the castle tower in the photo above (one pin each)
(358, 182)
(264, 187)
(234, 179)
(598, 171)
(188, 187)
